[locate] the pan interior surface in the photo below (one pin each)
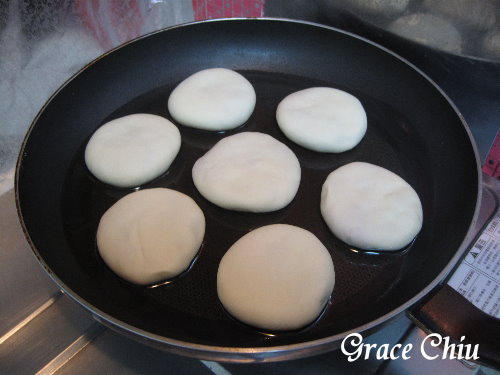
(412, 130)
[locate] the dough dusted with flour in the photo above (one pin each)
(132, 150)
(213, 99)
(322, 119)
(151, 235)
(371, 208)
(277, 277)
(430, 30)
(248, 171)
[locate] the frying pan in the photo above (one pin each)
(413, 130)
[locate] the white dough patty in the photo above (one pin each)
(213, 99)
(277, 277)
(322, 119)
(132, 150)
(151, 235)
(249, 171)
(369, 207)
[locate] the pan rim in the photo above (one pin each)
(262, 353)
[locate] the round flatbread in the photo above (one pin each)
(277, 277)
(132, 150)
(370, 208)
(213, 99)
(248, 171)
(151, 235)
(322, 119)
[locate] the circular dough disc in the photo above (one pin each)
(213, 99)
(151, 235)
(249, 171)
(370, 208)
(132, 150)
(277, 277)
(322, 119)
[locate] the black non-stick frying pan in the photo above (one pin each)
(413, 130)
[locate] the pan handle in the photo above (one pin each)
(448, 313)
